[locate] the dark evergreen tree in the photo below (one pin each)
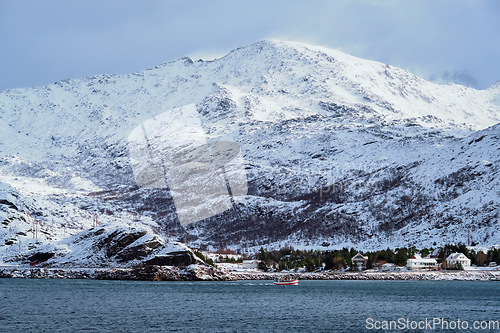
(265, 259)
(401, 257)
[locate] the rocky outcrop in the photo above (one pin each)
(139, 251)
(110, 245)
(118, 240)
(39, 257)
(173, 259)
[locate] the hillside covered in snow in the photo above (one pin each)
(335, 148)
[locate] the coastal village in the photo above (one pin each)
(435, 261)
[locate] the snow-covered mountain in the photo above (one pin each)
(335, 147)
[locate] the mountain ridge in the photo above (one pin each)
(305, 117)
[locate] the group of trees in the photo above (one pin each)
(399, 256)
(205, 259)
(287, 258)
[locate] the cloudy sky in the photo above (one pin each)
(46, 41)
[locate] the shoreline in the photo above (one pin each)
(206, 273)
(391, 276)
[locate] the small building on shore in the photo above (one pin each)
(388, 267)
(359, 261)
(418, 263)
(458, 258)
(250, 264)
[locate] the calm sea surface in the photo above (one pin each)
(243, 306)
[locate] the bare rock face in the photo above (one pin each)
(139, 251)
(173, 259)
(118, 240)
(39, 257)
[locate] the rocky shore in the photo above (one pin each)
(440, 275)
(143, 273)
(206, 273)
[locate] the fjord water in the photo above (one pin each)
(28, 305)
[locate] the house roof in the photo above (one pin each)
(359, 256)
(457, 255)
(418, 258)
(225, 251)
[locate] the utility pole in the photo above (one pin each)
(468, 235)
(95, 221)
(33, 227)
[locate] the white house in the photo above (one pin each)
(359, 261)
(458, 258)
(417, 262)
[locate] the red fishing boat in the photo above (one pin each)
(285, 281)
